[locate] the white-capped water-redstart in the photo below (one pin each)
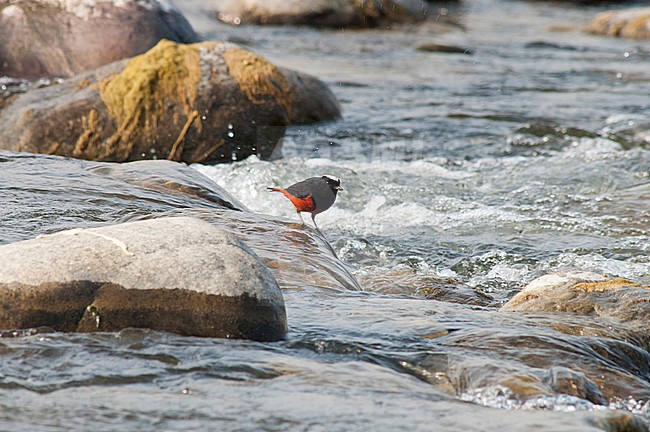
(313, 195)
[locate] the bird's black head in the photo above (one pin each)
(333, 183)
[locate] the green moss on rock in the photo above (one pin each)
(164, 78)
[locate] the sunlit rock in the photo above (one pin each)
(320, 13)
(631, 23)
(181, 275)
(208, 102)
(61, 38)
(584, 293)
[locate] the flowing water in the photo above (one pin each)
(465, 176)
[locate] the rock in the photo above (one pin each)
(299, 257)
(629, 23)
(61, 38)
(441, 48)
(208, 102)
(180, 275)
(566, 381)
(45, 194)
(404, 280)
(320, 13)
(585, 293)
(311, 100)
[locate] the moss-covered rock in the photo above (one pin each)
(207, 102)
(629, 23)
(42, 38)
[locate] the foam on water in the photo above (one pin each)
(498, 222)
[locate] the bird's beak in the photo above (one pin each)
(339, 188)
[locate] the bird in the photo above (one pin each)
(313, 195)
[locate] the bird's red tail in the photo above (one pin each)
(301, 204)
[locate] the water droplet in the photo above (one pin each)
(203, 117)
(230, 126)
(626, 54)
(619, 75)
(231, 134)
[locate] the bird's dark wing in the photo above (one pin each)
(304, 188)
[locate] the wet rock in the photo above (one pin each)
(441, 48)
(61, 38)
(311, 100)
(299, 257)
(585, 293)
(629, 23)
(208, 102)
(320, 13)
(566, 381)
(404, 280)
(181, 275)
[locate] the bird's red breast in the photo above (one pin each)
(305, 204)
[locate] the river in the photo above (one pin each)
(466, 176)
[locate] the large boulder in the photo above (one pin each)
(45, 194)
(180, 274)
(208, 102)
(320, 13)
(61, 38)
(629, 23)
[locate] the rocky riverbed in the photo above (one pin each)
(487, 259)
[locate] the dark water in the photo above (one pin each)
(464, 175)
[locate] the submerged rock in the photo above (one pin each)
(629, 23)
(208, 102)
(320, 13)
(404, 280)
(442, 48)
(181, 275)
(61, 38)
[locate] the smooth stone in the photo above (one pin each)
(208, 102)
(61, 38)
(631, 23)
(320, 13)
(177, 274)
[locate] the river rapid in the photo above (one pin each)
(466, 176)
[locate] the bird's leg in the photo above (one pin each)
(300, 216)
(313, 218)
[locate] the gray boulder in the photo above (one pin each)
(45, 38)
(178, 274)
(208, 102)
